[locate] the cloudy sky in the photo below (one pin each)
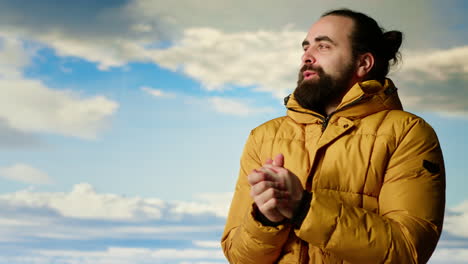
(122, 122)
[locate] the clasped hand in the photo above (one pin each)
(275, 190)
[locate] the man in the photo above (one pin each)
(347, 176)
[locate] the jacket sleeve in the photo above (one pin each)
(245, 240)
(411, 208)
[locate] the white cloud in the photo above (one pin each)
(248, 16)
(236, 107)
(242, 50)
(207, 244)
(84, 202)
(157, 19)
(103, 33)
(102, 220)
(202, 262)
(436, 64)
(37, 108)
(450, 255)
(216, 204)
(120, 230)
(45, 110)
(456, 222)
(12, 57)
(129, 254)
(149, 230)
(220, 201)
(105, 52)
(444, 243)
(31, 220)
(13, 138)
(156, 92)
(435, 81)
(8, 222)
(25, 173)
(30, 106)
(121, 255)
(188, 254)
(268, 60)
(122, 33)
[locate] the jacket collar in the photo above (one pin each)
(361, 100)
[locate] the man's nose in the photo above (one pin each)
(308, 58)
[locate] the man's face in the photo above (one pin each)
(328, 67)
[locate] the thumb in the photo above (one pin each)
(279, 160)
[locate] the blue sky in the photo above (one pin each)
(122, 122)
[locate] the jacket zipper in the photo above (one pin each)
(303, 252)
(328, 117)
(325, 121)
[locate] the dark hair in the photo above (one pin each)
(368, 36)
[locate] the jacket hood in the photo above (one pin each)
(363, 99)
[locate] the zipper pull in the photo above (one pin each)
(325, 122)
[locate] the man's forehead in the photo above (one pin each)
(336, 28)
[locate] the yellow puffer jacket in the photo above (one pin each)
(377, 178)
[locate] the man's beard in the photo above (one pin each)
(316, 95)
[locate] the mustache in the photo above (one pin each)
(308, 67)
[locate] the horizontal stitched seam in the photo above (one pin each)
(360, 193)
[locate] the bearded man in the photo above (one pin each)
(347, 176)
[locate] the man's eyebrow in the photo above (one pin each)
(325, 38)
(318, 39)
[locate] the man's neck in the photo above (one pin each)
(331, 108)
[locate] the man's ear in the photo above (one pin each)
(365, 63)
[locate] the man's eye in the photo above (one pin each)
(323, 47)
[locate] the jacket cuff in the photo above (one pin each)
(273, 235)
(263, 219)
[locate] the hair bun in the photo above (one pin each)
(391, 43)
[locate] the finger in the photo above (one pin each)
(279, 160)
(275, 169)
(269, 205)
(278, 173)
(269, 161)
(285, 210)
(274, 176)
(270, 212)
(269, 194)
(270, 170)
(271, 167)
(262, 186)
(257, 176)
